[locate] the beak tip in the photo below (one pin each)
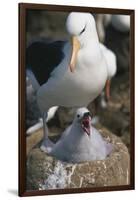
(71, 68)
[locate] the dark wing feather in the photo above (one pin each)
(42, 58)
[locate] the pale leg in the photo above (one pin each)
(46, 145)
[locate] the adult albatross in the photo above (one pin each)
(69, 74)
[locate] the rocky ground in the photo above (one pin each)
(114, 119)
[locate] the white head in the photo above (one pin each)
(82, 28)
(83, 118)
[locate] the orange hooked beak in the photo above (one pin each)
(107, 89)
(75, 49)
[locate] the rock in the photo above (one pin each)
(65, 116)
(33, 139)
(42, 24)
(116, 116)
(45, 172)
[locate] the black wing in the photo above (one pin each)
(42, 58)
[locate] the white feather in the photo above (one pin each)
(110, 58)
(37, 126)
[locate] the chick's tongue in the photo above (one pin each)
(86, 125)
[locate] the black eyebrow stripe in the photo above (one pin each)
(83, 30)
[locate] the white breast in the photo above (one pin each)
(74, 89)
(77, 146)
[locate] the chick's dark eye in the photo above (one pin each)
(82, 30)
(78, 116)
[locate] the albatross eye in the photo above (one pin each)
(78, 115)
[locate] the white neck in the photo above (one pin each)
(76, 126)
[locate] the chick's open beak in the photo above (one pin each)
(86, 124)
(75, 49)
